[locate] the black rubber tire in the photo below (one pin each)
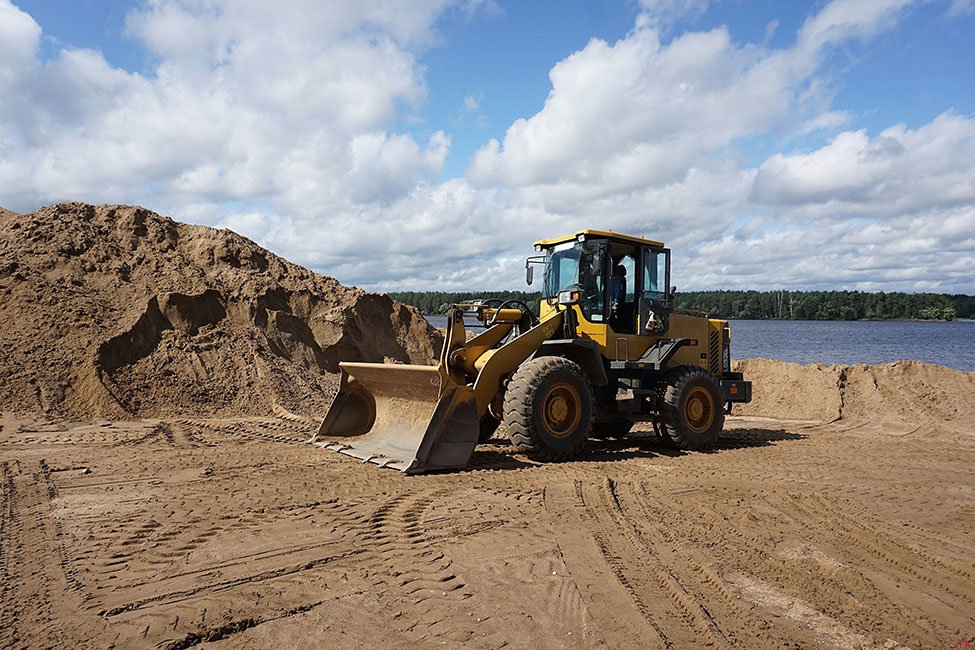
(488, 426)
(691, 410)
(545, 394)
(611, 429)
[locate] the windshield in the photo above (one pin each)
(577, 264)
(561, 269)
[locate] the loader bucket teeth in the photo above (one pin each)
(401, 416)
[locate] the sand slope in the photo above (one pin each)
(115, 310)
(904, 393)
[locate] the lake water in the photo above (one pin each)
(949, 344)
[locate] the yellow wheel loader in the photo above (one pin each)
(607, 350)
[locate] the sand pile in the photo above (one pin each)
(113, 311)
(904, 392)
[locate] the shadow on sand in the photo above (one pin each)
(498, 453)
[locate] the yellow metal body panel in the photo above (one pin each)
(599, 233)
(630, 347)
(700, 329)
(509, 356)
(503, 315)
(469, 355)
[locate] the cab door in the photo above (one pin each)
(656, 303)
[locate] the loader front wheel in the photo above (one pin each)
(692, 411)
(548, 408)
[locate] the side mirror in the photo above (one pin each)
(529, 273)
(673, 290)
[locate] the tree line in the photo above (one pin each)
(829, 305)
(779, 305)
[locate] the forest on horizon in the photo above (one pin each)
(754, 305)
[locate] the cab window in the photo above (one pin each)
(591, 274)
(578, 264)
(561, 269)
(655, 275)
(628, 262)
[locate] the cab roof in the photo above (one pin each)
(598, 234)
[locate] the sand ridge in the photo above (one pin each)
(901, 393)
(117, 311)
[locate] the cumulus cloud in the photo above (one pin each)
(288, 107)
(898, 171)
(642, 135)
(281, 124)
(925, 251)
(891, 212)
(642, 112)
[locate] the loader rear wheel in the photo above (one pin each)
(548, 408)
(692, 413)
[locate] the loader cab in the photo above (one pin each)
(615, 282)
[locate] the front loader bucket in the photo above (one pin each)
(401, 416)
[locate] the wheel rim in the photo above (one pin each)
(561, 410)
(699, 409)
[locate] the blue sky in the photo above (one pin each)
(773, 145)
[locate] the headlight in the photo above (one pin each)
(569, 297)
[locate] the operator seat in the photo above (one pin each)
(620, 314)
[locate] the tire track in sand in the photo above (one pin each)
(693, 568)
(39, 586)
(596, 556)
(835, 589)
(653, 571)
(413, 573)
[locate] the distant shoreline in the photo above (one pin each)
(755, 305)
(821, 320)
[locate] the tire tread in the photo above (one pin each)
(519, 407)
(675, 384)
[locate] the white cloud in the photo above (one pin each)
(248, 102)
(825, 121)
(641, 112)
(637, 113)
(281, 124)
(386, 167)
(642, 134)
(898, 171)
(19, 36)
(841, 20)
(928, 251)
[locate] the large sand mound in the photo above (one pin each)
(904, 392)
(117, 311)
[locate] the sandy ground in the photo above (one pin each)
(198, 531)
(233, 533)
